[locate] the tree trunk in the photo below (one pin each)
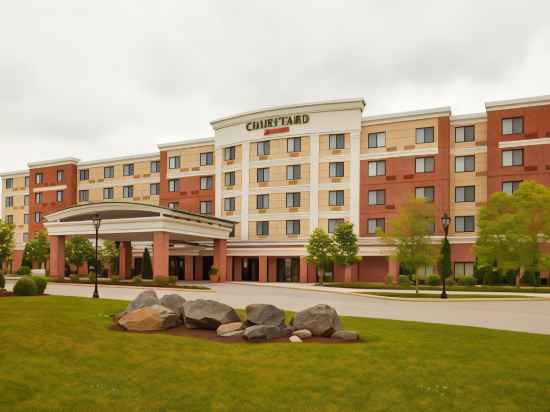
(321, 276)
(519, 276)
(416, 282)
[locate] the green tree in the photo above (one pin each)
(444, 263)
(26, 260)
(78, 250)
(320, 249)
(108, 254)
(146, 266)
(345, 245)
(39, 248)
(6, 242)
(409, 233)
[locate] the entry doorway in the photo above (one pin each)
(177, 267)
(288, 269)
(250, 271)
(207, 263)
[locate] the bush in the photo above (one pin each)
(467, 281)
(2, 281)
(91, 277)
(531, 279)
(138, 280)
(433, 280)
(25, 287)
(450, 282)
(23, 271)
(404, 280)
(115, 278)
(75, 278)
(389, 280)
(161, 281)
(41, 283)
(172, 280)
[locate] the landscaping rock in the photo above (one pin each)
(320, 320)
(302, 333)
(174, 302)
(234, 333)
(347, 335)
(150, 318)
(228, 328)
(262, 332)
(295, 339)
(263, 314)
(208, 314)
(144, 299)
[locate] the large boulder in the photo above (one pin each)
(346, 335)
(208, 314)
(263, 314)
(262, 332)
(320, 320)
(144, 299)
(149, 318)
(174, 302)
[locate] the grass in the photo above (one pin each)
(57, 354)
(480, 288)
(450, 296)
(143, 283)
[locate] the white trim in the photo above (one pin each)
(278, 189)
(229, 168)
(185, 144)
(229, 193)
(406, 116)
(428, 151)
(469, 118)
(176, 175)
(118, 183)
(218, 182)
(334, 186)
(460, 151)
(260, 217)
(314, 181)
(525, 142)
(53, 162)
(335, 215)
(286, 161)
(335, 158)
(514, 103)
(245, 180)
(15, 173)
(120, 159)
(49, 188)
(355, 172)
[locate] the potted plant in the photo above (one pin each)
(213, 274)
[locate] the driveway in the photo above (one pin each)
(523, 316)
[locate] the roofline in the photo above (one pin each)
(14, 173)
(53, 162)
(184, 143)
(120, 159)
(526, 101)
(469, 116)
(401, 116)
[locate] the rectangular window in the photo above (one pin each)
(464, 269)
(27, 179)
(229, 204)
(332, 223)
(26, 219)
(173, 205)
(108, 193)
(336, 169)
(464, 224)
(128, 169)
(229, 178)
(127, 192)
(512, 157)
(336, 198)
(108, 172)
(262, 228)
(465, 163)
(262, 174)
(206, 182)
(229, 153)
(377, 197)
(294, 144)
(9, 219)
(26, 200)
(424, 164)
(262, 201)
(377, 168)
(38, 178)
(510, 187)
(154, 166)
(374, 224)
(38, 198)
(174, 185)
(207, 159)
(263, 148)
(336, 141)
(154, 189)
(59, 196)
(9, 183)
(465, 134)
(427, 193)
(425, 270)
(37, 217)
(425, 135)
(465, 194)
(9, 201)
(513, 125)
(292, 227)
(83, 195)
(25, 236)
(174, 162)
(293, 172)
(293, 199)
(60, 175)
(206, 207)
(377, 140)
(84, 174)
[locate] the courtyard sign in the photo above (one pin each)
(278, 122)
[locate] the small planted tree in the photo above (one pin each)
(6, 242)
(108, 254)
(320, 249)
(39, 248)
(345, 245)
(444, 264)
(146, 265)
(78, 250)
(26, 260)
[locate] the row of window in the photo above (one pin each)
(422, 165)
(205, 206)
(293, 200)
(462, 224)
(127, 170)
(293, 227)
(39, 177)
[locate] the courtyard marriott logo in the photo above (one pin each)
(279, 121)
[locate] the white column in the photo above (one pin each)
(314, 181)
(218, 181)
(355, 170)
(245, 176)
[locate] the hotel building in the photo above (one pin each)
(280, 172)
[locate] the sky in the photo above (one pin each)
(97, 79)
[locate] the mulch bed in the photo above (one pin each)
(5, 294)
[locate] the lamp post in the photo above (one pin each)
(97, 222)
(445, 221)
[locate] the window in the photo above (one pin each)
(229, 178)
(128, 169)
(127, 192)
(26, 200)
(229, 204)
(292, 227)
(59, 196)
(425, 270)
(26, 219)
(262, 201)
(154, 189)
(510, 187)
(464, 268)
(38, 198)
(262, 228)
(377, 197)
(377, 140)
(84, 174)
(425, 192)
(425, 135)
(37, 217)
(465, 194)
(83, 195)
(9, 219)
(174, 185)
(262, 174)
(9, 201)
(336, 169)
(512, 126)
(332, 223)
(108, 172)
(336, 198)
(465, 134)
(424, 164)
(294, 144)
(9, 183)
(25, 237)
(27, 181)
(374, 224)
(377, 168)
(60, 175)
(38, 178)
(173, 205)
(263, 148)
(206, 207)
(465, 163)
(293, 172)
(512, 157)
(293, 199)
(207, 159)
(229, 153)
(464, 224)
(206, 182)
(108, 193)
(336, 141)
(154, 166)
(174, 162)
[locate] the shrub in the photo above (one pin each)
(75, 278)
(530, 278)
(404, 280)
(25, 287)
(91, 277)
(115, 278)
(161, 281)
(389, 280)
(469, 281)
(450, 282)
(41, 283)
(172, 280)
(2, 281)
(433, 280)
(138, 280)
(23, 271)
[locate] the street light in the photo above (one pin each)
(445, 221)
(97, 222)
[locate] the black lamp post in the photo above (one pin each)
(97, 222)
(445, 221)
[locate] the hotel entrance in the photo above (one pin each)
(288, 269)
(177, 267)
(250, 269)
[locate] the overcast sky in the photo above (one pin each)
(96, 79)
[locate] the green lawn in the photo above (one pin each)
(480, 288)
(449, 296)
(57, 353)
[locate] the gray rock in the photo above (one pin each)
(144, 299)
(295, 339)
(262, 332)
(234, 333)
(174, 302)
(320, 320)
(228, 328)
(263, 314)
(302, 333)
(347, 335)
(208, 314)
(149, 318)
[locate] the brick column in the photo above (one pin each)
(57, 256)
(348, 274)
(188, 267)
(125, 259)
(161, 246)
(393, 268)
(198, 268)
(220, 258)
(263, 269)
(229, 268)
(238, 267)
(272, 269)
(303, 269)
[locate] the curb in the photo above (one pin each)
(135, 287)
(480, 299)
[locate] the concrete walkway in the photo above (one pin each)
(524, 316)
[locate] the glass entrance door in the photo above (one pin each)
(288, 269)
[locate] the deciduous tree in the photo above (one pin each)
(320, 249)
(6, 242)
(345, 245)
(78, 250)
(39, 248)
